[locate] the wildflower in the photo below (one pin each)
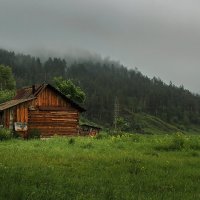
(142, 168)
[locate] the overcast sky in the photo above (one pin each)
(160, 37)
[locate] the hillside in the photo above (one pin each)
(103, 81)
(149, 124)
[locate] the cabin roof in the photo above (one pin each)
(29, 93)
(89, 125)
(13, 103)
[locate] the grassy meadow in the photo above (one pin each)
(130, 166)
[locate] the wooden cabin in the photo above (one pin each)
(87, 129)
(41, 107)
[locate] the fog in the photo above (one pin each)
(161, 38)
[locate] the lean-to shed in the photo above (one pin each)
(41, 107)
(89, 129)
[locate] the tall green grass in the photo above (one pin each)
(107, 167)
(5, 134)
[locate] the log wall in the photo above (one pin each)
(50, 113)
(53, 115)
(54, 122)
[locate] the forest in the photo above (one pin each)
(105, 81)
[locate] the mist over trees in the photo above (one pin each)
(103, 80)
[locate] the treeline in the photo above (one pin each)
(104, 81)
(7, 83)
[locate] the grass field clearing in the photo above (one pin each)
(113, 167)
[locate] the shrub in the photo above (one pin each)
(71, 141)
(194, 144)
(138, 128)
(5, 134)
(101, 135)
(16, 134)
(34, 134)
(177, 143)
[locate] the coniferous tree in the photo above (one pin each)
(102, 80)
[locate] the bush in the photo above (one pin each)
(34, 134)
(177, 143)
(71, 141)
(5, 134)
(194, 143)
(101, 135)
(16, 134)
(138, 128)
(6, 95)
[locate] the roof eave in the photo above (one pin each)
(8, 107)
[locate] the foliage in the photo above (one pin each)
(101, 135)
(88, 122)
(122, 124)
(71, 141)
(7, 81)
(34, 134)
(68, 88)
(5, 134)
(102, 80)
(54, 67)
(179, 142)
(6, 95)
(16, 135)
(117, 167)
(176, 144)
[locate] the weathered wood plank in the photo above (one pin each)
(50, 108)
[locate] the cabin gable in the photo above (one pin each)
(50, 98)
